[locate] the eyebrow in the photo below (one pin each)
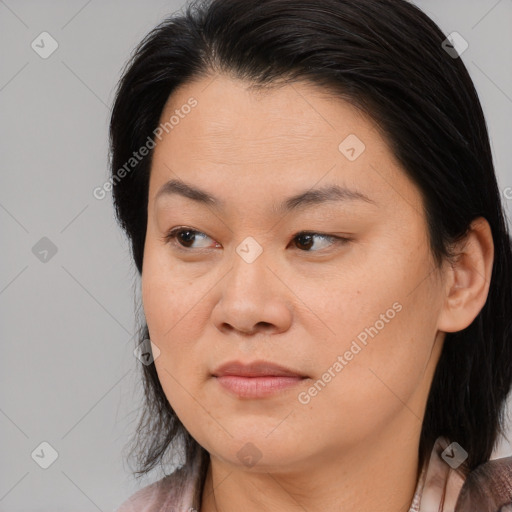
(303, 200)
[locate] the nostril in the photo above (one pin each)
(265, 326)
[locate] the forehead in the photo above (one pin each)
(288, 120)
(295, 135)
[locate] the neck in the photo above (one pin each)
(379, 475)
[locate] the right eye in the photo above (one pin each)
(183, 238)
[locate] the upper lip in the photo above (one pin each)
(255, 369)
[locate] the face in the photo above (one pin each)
(339, 287)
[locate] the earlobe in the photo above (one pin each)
(468, 278)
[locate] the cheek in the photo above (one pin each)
(172, 318)
(168, 311)
(177, 308)
(384, 360)
(169, 296)
(382, 323)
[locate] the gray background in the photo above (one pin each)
(68, 375)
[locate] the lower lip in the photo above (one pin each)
(257, 387)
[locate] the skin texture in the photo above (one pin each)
(353, 446)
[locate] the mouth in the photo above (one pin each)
(256, 380)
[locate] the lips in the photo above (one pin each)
(256, 380)
(255, 369)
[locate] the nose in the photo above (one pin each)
(253, 299)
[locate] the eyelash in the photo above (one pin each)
(171, 237)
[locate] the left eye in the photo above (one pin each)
(185, 237)
(307, 239)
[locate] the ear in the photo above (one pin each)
(468, 278)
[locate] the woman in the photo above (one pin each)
(325, 265)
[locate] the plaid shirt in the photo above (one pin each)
(440, 487)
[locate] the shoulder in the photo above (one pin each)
(151, 498)
(178, 491)
(488, 488)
